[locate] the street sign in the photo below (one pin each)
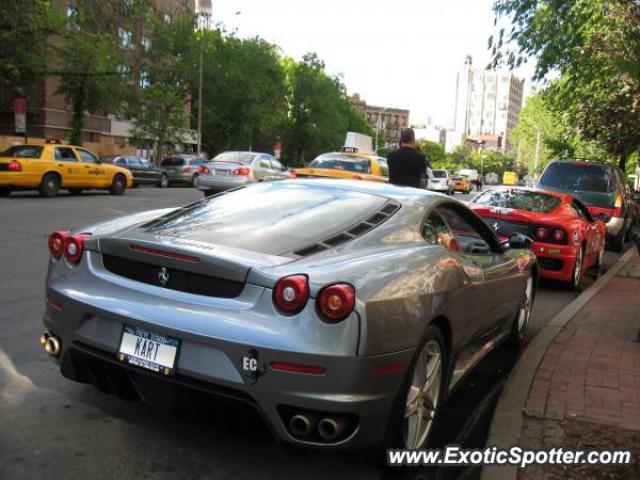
(20, 114)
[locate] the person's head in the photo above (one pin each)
(407, 137)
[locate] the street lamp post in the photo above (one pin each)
(378, 127)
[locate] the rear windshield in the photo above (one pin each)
(342, 162)
(519, 200)
(23, 151)
(237, 157)
(270, 217)
(594, 184)
(439, 174)
(196, 161)
(173, 162)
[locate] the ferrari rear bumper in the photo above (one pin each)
(556, 262)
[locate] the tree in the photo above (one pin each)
(24, 29)
(595, 45)
(433, 151)
(244, 93)
(461, 155)
(165, 81)
(86, 61)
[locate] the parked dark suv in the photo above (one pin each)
(601, 187)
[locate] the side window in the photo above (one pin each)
(63, 154)
(471, 237)
(264, 162)
(436, 231)
(384, 167)
(86, 157)
(276, 165)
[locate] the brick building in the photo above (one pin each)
(392, 120)
(48, 114)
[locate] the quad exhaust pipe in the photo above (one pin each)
(331, 428)
(51, 344)
(301, 424)
(306, 424)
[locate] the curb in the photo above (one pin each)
(508, 417)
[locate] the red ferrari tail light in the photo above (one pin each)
(74, 248)
(336, 302)
(291, 293)
(14, 166)
(56, 243)
(203, 169)
(242, 171)
(542, 233)
(558, 235)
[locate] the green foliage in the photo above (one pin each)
(433, 151)
(24, 28)
(169, 66)
(595, 45)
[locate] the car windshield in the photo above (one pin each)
(457, 178)
(237, 157)
(439, 173)
(270, 217)
(594, 184)
(519, 200)
(350, 163)
(23, 151)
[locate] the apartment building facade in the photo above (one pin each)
(390, 119)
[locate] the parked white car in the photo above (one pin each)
(441, 181)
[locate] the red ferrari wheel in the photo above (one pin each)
(576, 278)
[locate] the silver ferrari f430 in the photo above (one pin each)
(344, 311)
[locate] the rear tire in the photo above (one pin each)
(194, 180)
(75, 191)
(50, 185)
(163, 182)
(576, 278)
(521, 322)
(119, 185)
(424, 404)
(617, 242)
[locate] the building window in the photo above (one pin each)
(125, 72)
(125, 37)
(504, 79)
(146, 43)
(144, 79)
(167, 18)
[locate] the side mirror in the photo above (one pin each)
(517, 240)
(99, 161)
(603, 216)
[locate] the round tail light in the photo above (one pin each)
(336, 302)
(558, 235)
(56, 243)
(74, 248)
(291, 293)
(541, 233)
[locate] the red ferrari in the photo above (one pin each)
(567, 239)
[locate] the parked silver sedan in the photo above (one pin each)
(182, 169)
(233, 169)
(344, 311)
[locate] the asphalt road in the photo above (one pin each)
(56, 429)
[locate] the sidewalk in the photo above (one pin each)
(585, 386)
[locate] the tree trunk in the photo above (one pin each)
(77, 117)
(622, 163)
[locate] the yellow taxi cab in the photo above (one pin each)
(51, 167)
(509, 178)
(461, 184)
(347, 164)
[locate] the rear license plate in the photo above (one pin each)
(148, 350)
(222, 173)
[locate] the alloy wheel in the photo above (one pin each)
(423, 396)
(577, 269)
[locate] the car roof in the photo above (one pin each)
(584, 161)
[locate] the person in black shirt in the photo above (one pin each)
(407, 165)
